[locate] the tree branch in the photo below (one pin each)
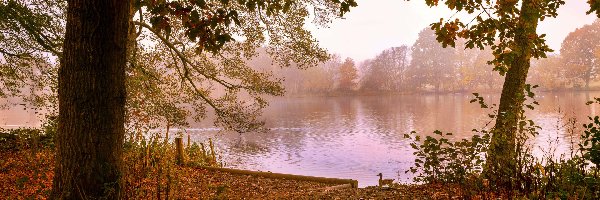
(182, 57)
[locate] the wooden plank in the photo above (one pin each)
(353, 183)
(337, 187)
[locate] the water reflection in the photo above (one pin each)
(19, 116)
(359, 137)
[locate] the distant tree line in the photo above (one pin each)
(428, 67)
(578, 64)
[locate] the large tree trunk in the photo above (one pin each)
(501, 163)
(91, 99)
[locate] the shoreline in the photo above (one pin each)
(197, 183)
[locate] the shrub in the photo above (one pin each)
(441, 161)
(25, 138)
(152, 170)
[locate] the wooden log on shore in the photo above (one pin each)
(337, 187)
(353, 183)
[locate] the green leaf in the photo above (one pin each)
(529, 106)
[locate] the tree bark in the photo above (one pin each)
(91, 99)
(501, 159)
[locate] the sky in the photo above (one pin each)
(376, 25)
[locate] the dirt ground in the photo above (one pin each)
(28, 175)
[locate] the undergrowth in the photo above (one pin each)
(572, 175)
(149, 167)
(152, 170)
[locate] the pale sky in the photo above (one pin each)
(376, 25)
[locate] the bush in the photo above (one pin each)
(440, 161)
(590, 141)
(24, 138)
(152, 170)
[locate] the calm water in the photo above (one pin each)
(359, 137)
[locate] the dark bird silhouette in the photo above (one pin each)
(382, 182)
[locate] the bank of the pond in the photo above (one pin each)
(26, 174)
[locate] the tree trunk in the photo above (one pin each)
(91, 99)
(501, 159)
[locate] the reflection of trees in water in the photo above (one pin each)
(293, 118)
(386, 118)
(348, 109)
(566, 101)
(291, 122)
(560, 106)
(248, 147)
(367, 132)
(452, 113)
(21, 116)
(396, 115)
(239, 150)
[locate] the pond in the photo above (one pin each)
(359, 137)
